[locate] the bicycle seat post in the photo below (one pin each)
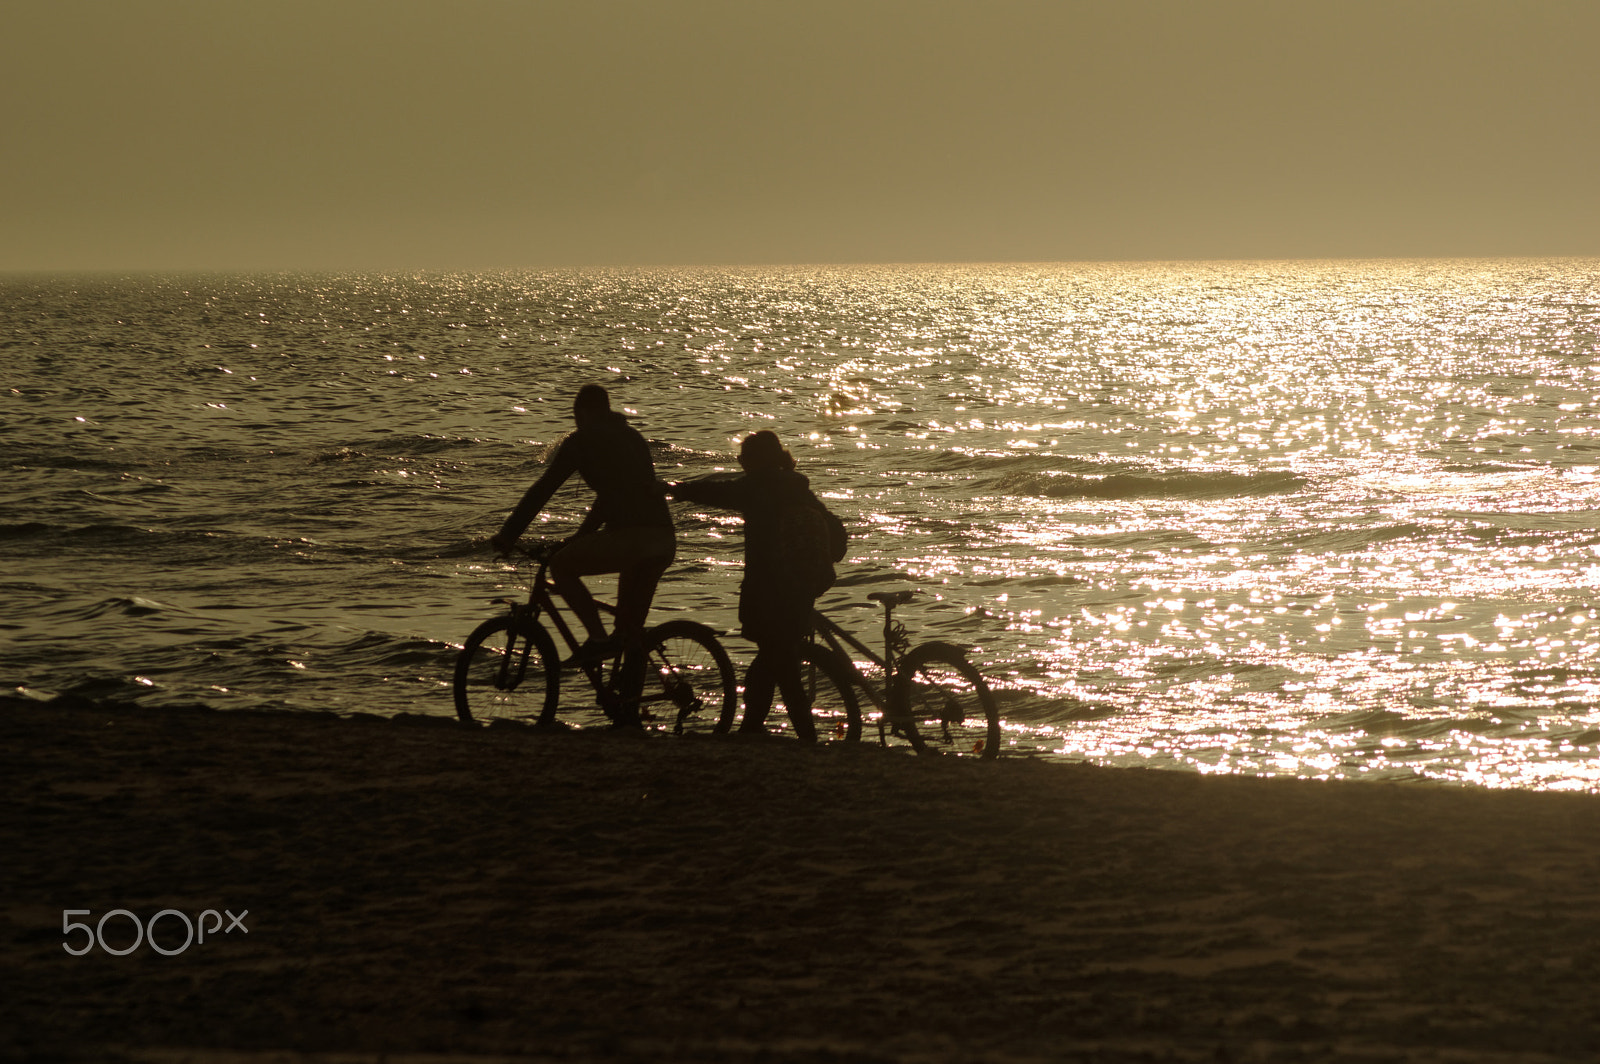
(888, 635)
(893, 639)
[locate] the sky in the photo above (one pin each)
(490, 134)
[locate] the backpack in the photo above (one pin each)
(811, 538)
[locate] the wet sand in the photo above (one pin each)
(416, 892)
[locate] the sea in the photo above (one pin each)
(1323, 519)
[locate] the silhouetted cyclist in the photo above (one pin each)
(627, 531)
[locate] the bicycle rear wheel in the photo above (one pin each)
(507, 670)
(943, 704)
(689, 680)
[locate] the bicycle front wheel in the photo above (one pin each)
(689, 681)
(943, 704)
(507, 670)
(835, 709)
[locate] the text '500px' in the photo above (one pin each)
(194, 931)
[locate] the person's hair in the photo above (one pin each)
(763, 450)
(592, 397)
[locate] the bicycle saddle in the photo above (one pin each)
(892, 598)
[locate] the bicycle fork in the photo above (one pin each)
(514, 662)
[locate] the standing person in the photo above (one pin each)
(775, 601)
(628, 530)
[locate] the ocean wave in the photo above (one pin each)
(1475, 484)
(27, 530)
(343, 454)
(94, 533)
(1490, 531)
(133, 606)
(1182, 484)
(954, 460)
(397, 446)
(1357, 537)
(387, 651)
(73, 462)
(427, 444)
(164, 546)
(105, 618)
(1449, 728)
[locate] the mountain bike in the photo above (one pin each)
(931, 696)
(676, 678)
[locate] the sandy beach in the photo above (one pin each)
(418, 892)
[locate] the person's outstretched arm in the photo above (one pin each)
(722, 492)
(562, 465)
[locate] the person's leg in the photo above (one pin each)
(636, 588)
(638, 554)
(759, 684)
(576, 595)
(786, 670)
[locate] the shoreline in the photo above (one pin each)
(423, 891)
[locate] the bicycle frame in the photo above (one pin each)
(542, 596)
(896, 641)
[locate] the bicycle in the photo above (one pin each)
(932, 696)
(508, 669)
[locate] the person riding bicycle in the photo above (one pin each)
(627, 531)
(775, 607)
